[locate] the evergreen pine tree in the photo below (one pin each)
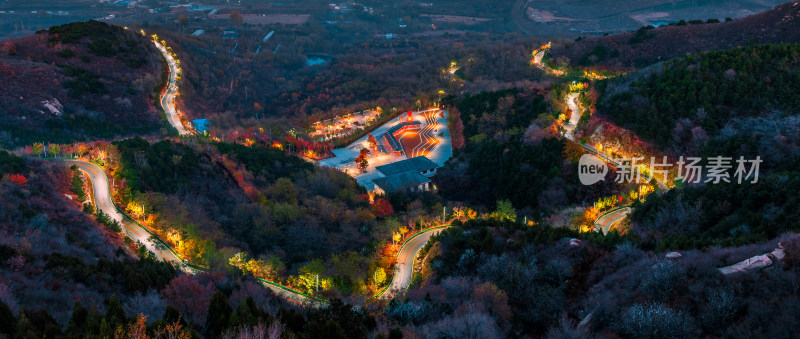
(219, 314)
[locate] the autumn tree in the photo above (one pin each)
(183, 20)
(372, 141)
(189, 297)
(53, 150)
(238, 260)
(361, 160)
(174, 330)
(573, 151)
(382, 208)
(380, 276)
(18, 179)
(38, 148)
(309, 278)
(464, 213)
(135, 330)
(236, 18)
(81, 149)
(258, 109)
(9, 47)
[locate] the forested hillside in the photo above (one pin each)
(735, 103)
(649, 45)
(726, 214)
(266, 244)
(688, 100)
(77, 81)
(511, 280)
(510, 153)
(258, 200)
(261, 211)
(64, 274)
(239, 87)
(53, 256)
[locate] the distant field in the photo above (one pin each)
(466, 20)
(558, 17)
(268, 19)
(636, 50)
(21, 18)
(60, 5)
(23, 24)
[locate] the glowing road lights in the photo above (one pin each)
(453, 68)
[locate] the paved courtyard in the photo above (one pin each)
(433, 140)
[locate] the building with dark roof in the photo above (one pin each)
(391, 144)
(230, 33)
(420, 164)
(411, 181)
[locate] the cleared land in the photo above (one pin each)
(456, 19)
(779, 25)
(268, 19)
(579, 17)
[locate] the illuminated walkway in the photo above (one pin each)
(168, 97)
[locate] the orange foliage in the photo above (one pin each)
(386, 261)
(456, 129)
(18, 179)
(9, 47)
(137, 330)
(382, 208)
(573, 151)
(150, 220)
(591, 213)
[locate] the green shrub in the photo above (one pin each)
(66, 53)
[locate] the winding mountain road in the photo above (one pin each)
(102, 198)
(168, 98)
(401, 278)
(103, 202)
(404, 262)
(406, 256)
(537, 58)
(606, 221)
(569, 128)
(575, 116)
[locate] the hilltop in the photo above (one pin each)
(76, 81)
(649, 45)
